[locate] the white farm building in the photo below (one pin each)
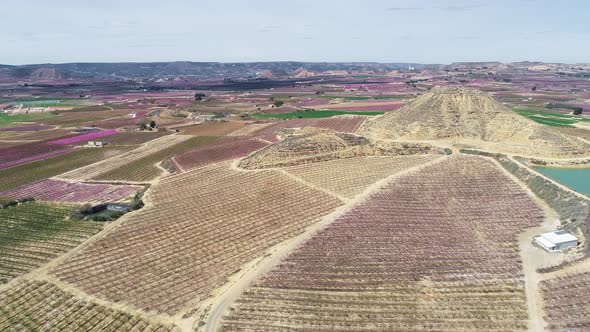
(556, 241)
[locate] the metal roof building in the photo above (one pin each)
(556, 241)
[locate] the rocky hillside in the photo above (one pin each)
(468, 116)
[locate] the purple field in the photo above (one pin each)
(73, 192)
(84, 137)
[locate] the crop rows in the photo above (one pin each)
(31, 234)
(42, 169)
(567, 306)
(435, 250)
(350, 177)
(203, 225)
(219, 151)
(143, 156)
(145, 169)
(74, 192)
(25, 153)
(42, 306)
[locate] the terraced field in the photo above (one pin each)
(203, 225)
(435, 250)
(33, 233)
(42, 306)
(139, 164)
(349, 177)
(567, 306)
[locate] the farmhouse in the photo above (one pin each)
(98, 144)
(556, 241)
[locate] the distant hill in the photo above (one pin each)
(471, 117)
(126, 70)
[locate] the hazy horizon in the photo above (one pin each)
(427, 32)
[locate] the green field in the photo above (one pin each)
(550, 118)
(42, 169)
(33, 233)
(6, 119)
(311, 114)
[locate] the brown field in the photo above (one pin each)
(350, 177)
(250, 129)
(201, 227)
(578, 132)
(435, 250)
(212, 129)
(42, 306)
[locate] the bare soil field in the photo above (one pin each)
(174, 252)
(578, 132)
(434, 250)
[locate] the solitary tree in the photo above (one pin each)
(199, 96)
(153, 124)
(578, 111)
(278, 103)
(142, 126)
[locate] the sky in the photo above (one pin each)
(58, 31)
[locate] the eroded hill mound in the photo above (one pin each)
(469, 116)
(307, 145)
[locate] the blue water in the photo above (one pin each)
(575, 178)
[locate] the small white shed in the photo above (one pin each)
(556, 241)
(98, 144)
